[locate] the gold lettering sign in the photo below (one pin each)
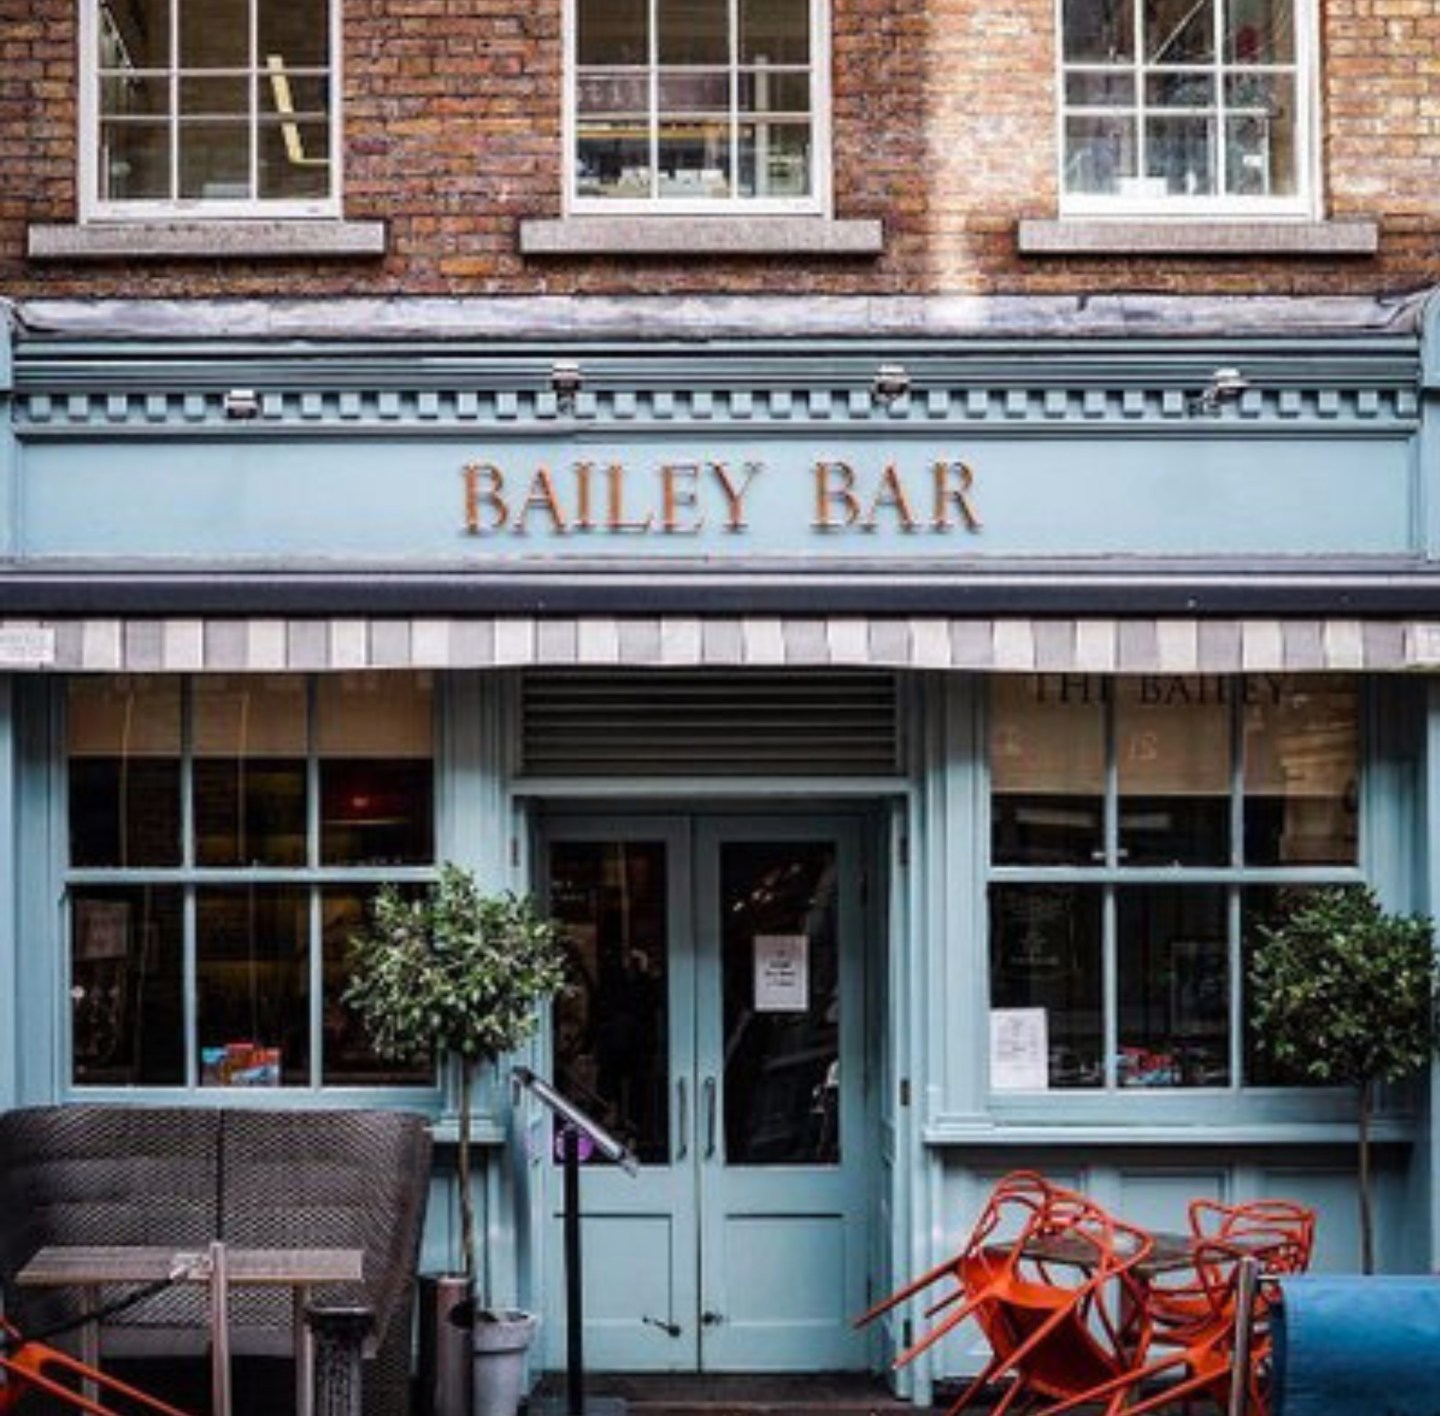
(684, 498)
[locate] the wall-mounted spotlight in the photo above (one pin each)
(565, 382)
(1225, 386)
(891, 382)
(241, 404)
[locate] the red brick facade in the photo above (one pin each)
(944, 128)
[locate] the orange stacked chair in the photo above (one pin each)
(1049, 1277)
(27, 1365)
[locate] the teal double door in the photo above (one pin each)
(716, 1023)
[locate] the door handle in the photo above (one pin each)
(710, 1108)
(682, 1143)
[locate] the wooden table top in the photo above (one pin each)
(59, 1265)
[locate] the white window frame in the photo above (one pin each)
(1304, 204)
(93, 208)
(817, 203)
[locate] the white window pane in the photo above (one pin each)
(1183, 88)
(615, 93)
(1100, 88)
(1179, 152)
(695, 160)
(775, 159)
(1100, 154)
(215, 161)
(122, 96)
(294, 164)
(775, 31)
(612, 31)
(693, 31)
(134, 34)
(1179, 31)
(298, 33)
(1259, 32)
(767, 92)
(613, 160)
(227, 97)
(214, 34)
(135, 161)
(1098, 31)
(374, 715)
(694, 91)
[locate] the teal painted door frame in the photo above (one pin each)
(700, 1263)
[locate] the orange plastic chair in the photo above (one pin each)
(1047, 1275)
(1194, 1322)
(26, 1365)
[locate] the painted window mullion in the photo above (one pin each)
(173, 80)
(654, 56)
(733, 127)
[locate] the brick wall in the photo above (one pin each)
(944, 127)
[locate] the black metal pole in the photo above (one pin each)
(574, 1336)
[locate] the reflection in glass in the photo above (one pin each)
(692, 31)
(695, 159)
(249, 775)
(1302, 744)
(346, 1057)
(774, 159)
(1179, 31)
(215, 160)
(774, 31)
(123, 736)
(1174, 987)
(1172, 749)
(1045, 952)
(1047, 768)
(781, 965)
(1101, 153)
(1180, 153)
(127, 984)
(612, 1053)
(253, 985)
(1099, 31)
(134, 34)
(1259, 32)
(134, 161)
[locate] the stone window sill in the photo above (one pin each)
(211, 240)
(717, 236)
(1126, 236)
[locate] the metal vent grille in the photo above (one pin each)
(743, 723)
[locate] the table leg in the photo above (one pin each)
(90, 1341)
(304, 1354)
(219, 1332)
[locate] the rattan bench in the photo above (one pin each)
(90, 1174)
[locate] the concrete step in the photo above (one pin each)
(821, 1394)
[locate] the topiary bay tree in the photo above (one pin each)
(453, 973)
(1345, 994)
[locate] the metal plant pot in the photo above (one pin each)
(446, 1366)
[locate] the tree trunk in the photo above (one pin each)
(1367, 1235)
(467, 1208)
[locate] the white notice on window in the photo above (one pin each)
(782, 973)
(1019, 1049)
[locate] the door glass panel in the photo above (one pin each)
(781, 967)
(612, 1021)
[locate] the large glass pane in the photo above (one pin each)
(346, 1057)
(774, 31)
(250, 746)
(123, 736)
(134, 34)
(612, 31)
(135, 161)
(375, 737)
(695, 159)
(214, 34)
(775, 159)
(1265, 906)
(1046, 958)
(1101, 156)
(1260, 135)
(1302, 744)
(1174, 987)
(693, 31)
(1047, 769)
(1259, 31)
(252, 977)
(613, 160)
(297, 31)
(1179, 31)
(215, 161)
(127, 986)
(1172, 749)
(781, 964)
(1099, 31)
(612, 1044)
(1180, 154)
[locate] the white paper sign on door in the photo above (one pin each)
(1019, 1049)
(782, 973)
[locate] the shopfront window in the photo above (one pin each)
(1142, 828)
(226, 834)
(696, 104)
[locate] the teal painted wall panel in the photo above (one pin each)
(815, 492)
